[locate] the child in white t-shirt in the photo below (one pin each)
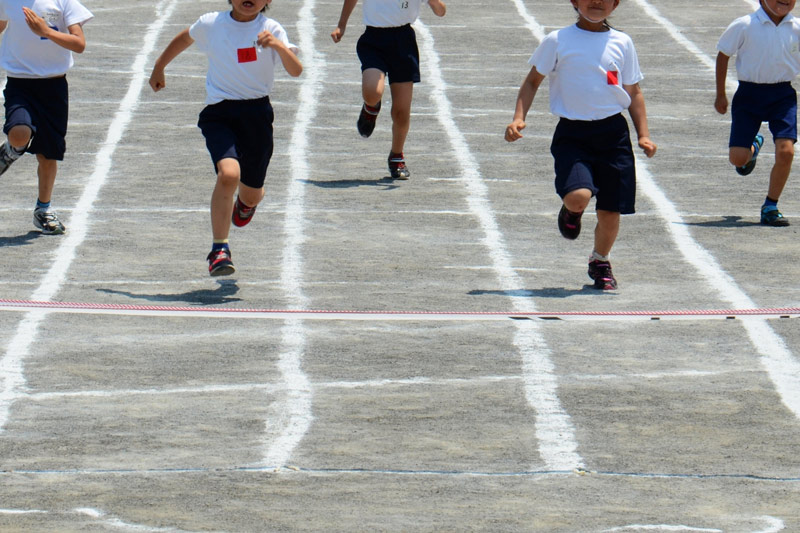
(243, 48)
(388, 46)
(36, 53)
(594, 76)
(767, 48)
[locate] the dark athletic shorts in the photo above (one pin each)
(596, 155)
(392, 51)
(242, 130)
(42, 104)
(754, 103)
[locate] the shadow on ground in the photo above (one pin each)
(387, 183)
(222, 294)
(546, 292)
(20, 240)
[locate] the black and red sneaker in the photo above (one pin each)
(569, 223)
(600, 272)
(242, 215)
(219, 262)
(397, 166)
(367, 119)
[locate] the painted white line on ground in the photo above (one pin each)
(780, 364)
(292, 413)
(553, 426)
(12, 377)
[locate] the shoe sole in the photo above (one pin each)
(225, 270)
(779, 223)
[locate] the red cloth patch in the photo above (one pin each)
(612, 76)
(246, 55)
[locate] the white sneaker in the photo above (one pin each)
(48, 222)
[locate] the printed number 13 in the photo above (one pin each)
(403, 5)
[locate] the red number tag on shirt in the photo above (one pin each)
(246, 55)
(612, 76)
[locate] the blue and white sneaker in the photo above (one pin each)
(758, 142)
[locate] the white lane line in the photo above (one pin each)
(12, 379)
(780, 364)
(292, 414)
(553, 426)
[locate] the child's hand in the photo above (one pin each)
(36, 23)
(513, 130)
(648, 146)
(157, 80)
(267, 40)
(721, 104)
(439, 8)
(337, 34)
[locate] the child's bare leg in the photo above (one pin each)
(250, 196)
(19, 136)
(47, 177)
(228, 172)
(402, 94)
(784, 154)
(739, 156)
(606, 231)
(576, 201)
(373, 83)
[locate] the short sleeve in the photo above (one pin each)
(3, 11)
(632, 72)
(199, 31)
(281, 35)
(545, 56)
(731, 39)
(76, 13)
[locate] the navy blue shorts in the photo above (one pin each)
(392, 51)
(42, 104)
(241, 130)
(596, 155)
(754, 103)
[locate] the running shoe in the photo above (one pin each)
(600, 272)
(242, 215)
(366, 120)
(397, 166)
(219, 262)
(569, 223)
(758, 142)
(48, 222)
(770, 216)
(5, 158)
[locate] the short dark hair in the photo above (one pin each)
(263, 10)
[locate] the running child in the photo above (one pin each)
(388, 47)
(594, 76)
(36, 53)
(767, 48)
(243, 47)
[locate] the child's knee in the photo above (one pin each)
(740, 156)
(784, 152)
(19, 136)
(401, 116)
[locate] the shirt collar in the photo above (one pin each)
(763, 17)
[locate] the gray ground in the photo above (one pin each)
(118, 422)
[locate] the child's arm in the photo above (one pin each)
(439, 8)
(347, 10)
(290, 61)
(74, 41)
(638, 114)
(721, 103)
(524, 101)
(181, 42)
(3, 25)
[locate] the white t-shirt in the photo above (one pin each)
(764, 53)
(23, 54)
(238, 69)
(587, 71)
(391, 13)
